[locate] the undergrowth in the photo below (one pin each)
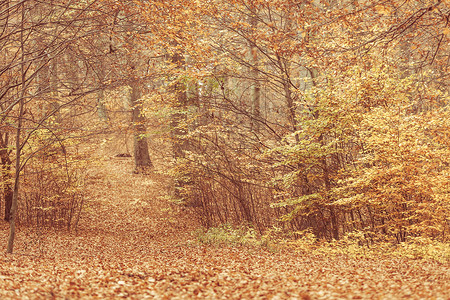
(227, 235)
(352, 245)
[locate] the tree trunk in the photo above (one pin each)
(8, 194)
(326, 178)
(15, 195)
(292, 115)
(178, 120)
(101, 108)
(6, 174)
(142, 160)
(54, 80)
(14, 205)
(102, 66)
(254, 75)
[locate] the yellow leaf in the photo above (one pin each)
(384, 10)
(446, 31)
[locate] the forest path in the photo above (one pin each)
(131, 244)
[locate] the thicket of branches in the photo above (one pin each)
(330, 117)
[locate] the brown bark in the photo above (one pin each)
(254, 75)
(15, 195)
(8, 194)
(6, 174)
(142, 159)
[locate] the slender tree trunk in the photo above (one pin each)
(326, 178)
(6, 174)
(292, 115)
(102, 66)
(179, 117)
(254, 75)
(15, 195)
(8, 194)
(54, 80)
(101, 108)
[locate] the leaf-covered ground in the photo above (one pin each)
(131, 244)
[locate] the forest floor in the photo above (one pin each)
(130, 243)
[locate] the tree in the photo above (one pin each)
(35, 99)
(141, 153)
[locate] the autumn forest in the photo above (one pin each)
(225, 149)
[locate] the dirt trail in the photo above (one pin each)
(131, 244)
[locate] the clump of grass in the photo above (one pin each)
(423, 248)
(227, 235)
